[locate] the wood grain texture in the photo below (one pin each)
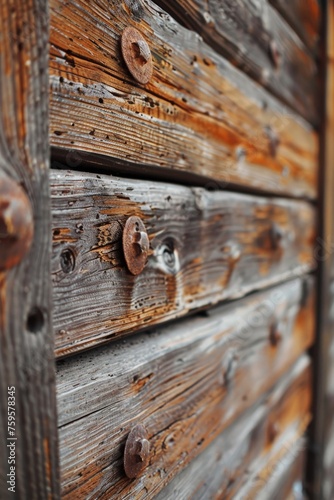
(26, 337)
(177, 394)
(197, 115)
(242, 463)
(184, 383)
(305, 18)
(205, 246)
(247, 34)
(321, 474)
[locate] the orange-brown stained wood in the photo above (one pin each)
(27, 378)
(184, 405)
(241, 460)
(254, 37)
(205, 246)
(197, 115)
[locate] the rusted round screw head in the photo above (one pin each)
(276, 235)
(273, 431)
(16, 223)
(274, 140)
(135, 245)
(137, 451)
(275, 54)
(137, 55)
(274, 335)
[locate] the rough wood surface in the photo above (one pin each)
(243, 464)
(321, 474)
(27, 383)
(172, 382)
(254, 37)
(204, 247)
(198, 114)
(184, 383)
(304, 16)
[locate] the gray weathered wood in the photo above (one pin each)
(320, 471)
(26, 336)
(185, 383)
(197, 115)
(242, 462)
(254, 37)
(304, 17)
(206, 246)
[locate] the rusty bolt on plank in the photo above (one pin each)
(275, 335)
(275, 54)
(137, 451)
(273, 431)
(16, 223)
(276, 236)
(136, 245)
(137, 55)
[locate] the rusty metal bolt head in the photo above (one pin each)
(275, 54)
(276, 235)
(137, 451)
(273, 431)
(275, 336)
(274, 140)
(135, 245)
(137, 55)
(16, 223)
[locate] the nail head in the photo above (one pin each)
(135, 245)
(16, 223)
(137, 55)
(137, 451)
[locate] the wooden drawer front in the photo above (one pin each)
(249, 460)
(198, 114)
(206, 246)
(184, 383)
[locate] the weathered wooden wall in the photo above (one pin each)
(321, 463)
(28, 419)
(231, 105)
(198, 114)
(185, 384)
(205, 247)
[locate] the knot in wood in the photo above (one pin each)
(136, 245)
(137, 452)
(137, 55)
(16, 223)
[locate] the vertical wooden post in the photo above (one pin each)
(320, 473)
(28, 427)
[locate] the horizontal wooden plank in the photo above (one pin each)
(173, 386)
(242, 463)
(254, 37)
(328, 459)
(185, 383)
(197, 115)
(205, 247)
(282, 477)
(304, 17)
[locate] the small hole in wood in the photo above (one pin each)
(35, 320)
(67, 260)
